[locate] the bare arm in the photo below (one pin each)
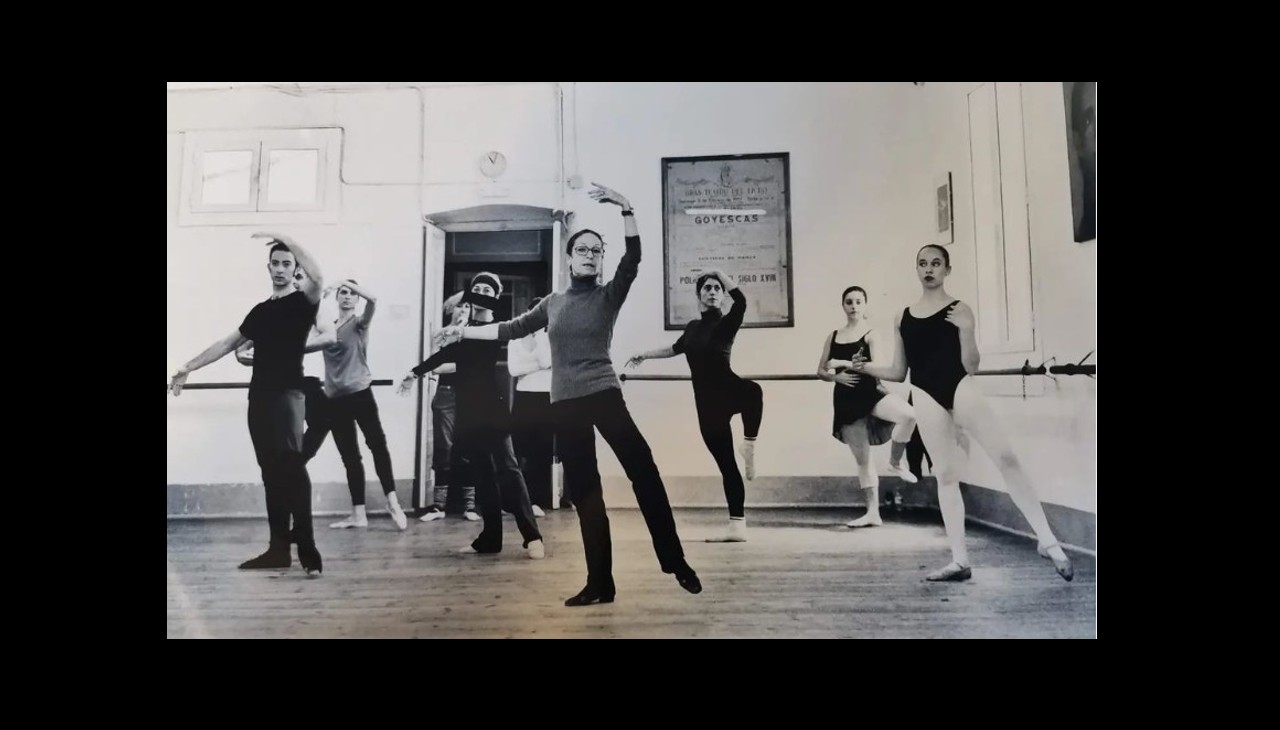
(212, 354)
(322, 335)
(244, 353)
(826, 356)
(658, 354)
(962, 317)
(844, 377)
(370, 302)
(893, 367)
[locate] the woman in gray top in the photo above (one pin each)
(586, 395)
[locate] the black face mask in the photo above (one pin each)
(480, 300)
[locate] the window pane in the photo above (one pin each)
(225, 176)
(292, 176)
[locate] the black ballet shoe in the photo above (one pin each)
(275, 558)
(590, 595)
(309, 556)
(688, 580)
(485, 547)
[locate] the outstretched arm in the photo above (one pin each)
(212, 354)
(658, 354)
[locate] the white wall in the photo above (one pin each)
(217, 273)
(863, 161)
(1055, 433)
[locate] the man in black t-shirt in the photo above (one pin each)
(278, 328)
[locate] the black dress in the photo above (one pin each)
(853, 404)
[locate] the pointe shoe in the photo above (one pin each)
(538, 511)
(954, 572)
(737, 532)
(588, 596)
(352, 521)
(1064, 567)
(748, 451)
(472, 516)
(398, 515)
(432, 515)
(309, 556)
(901, 472)
(867, 520)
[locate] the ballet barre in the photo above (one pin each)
(242, 386)
(1044, 368)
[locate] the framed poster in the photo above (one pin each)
(733, 213)
(945, 233)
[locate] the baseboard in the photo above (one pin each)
(1076, 529)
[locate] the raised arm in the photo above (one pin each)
(370, 302)
(733, 320)
(618, 287)
(312, 285)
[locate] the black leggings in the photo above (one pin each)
(576, 422)
(492, 467)
(340, 415)
(275, 427)
(715, 408)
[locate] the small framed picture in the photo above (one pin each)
(944, 217)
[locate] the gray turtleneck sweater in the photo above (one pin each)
(579, 324)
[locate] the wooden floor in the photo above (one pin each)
(801, 575)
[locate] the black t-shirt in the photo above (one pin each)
(279, 329)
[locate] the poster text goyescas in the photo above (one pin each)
(730, 213)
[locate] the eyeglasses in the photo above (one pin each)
(593, 251)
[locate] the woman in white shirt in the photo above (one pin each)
(529, 361)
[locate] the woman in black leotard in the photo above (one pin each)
(707, 343)
(937, 341)
(865, 415)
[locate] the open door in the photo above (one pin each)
(433, 250)
(559, 281)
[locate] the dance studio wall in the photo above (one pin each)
(863, 160)
(216, 273)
